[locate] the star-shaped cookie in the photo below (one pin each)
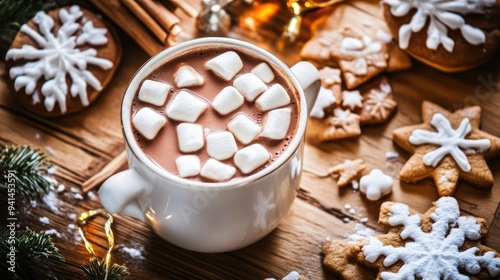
(446, 147)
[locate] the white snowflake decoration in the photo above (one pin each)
(442, 14)
(449, 140)
(433, 255)
(58, 57)
(261, 208)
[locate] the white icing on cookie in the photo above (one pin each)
(325, 99)
(442, 14)
(57, 57)
(435, 254)
(449, 140)
(352, 99)
(343, 118)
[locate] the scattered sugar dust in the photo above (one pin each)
(361, 231)
(134, 251)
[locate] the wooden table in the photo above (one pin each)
(81, 145)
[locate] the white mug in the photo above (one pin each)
(210, 217)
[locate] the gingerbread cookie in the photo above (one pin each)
(338, 125)
(446, 147)
(439, 244)
(378, 102)
(59, 62)
(348, 171)
(450, 37)
(339, 113)
(360, 48)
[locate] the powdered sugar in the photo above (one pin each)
(44, 220)
(361, 231)
(133, 252)
(53, 232)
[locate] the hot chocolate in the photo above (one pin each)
(215, 114)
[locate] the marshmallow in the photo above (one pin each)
(251, 157)
(217, 171)
(275, 97)
(228, 100)
(244, 128)
(221, 145)
(249, 85)
(264, 72)
(276, 124)
(148, 122)
(190, 137)
(188, 166)
(225, 65)
(154, 92)
(186, 107)
(186, 76)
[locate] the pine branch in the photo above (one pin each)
(34, 254)
(23, 167)
(96, 270)
(14, 13)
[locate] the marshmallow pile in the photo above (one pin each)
(228, 149)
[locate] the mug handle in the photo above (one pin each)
(118, 194)
(310, 81)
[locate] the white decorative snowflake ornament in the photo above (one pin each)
(441, 15)
(63, 54)
(437, 254)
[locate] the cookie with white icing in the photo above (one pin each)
(60, 61)
(451, 36)
(439, 244)
(447, 147)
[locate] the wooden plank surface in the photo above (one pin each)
(82, 144)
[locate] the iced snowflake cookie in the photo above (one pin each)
(446, 147)
(439, 244)
(451, 36)
(61, 60)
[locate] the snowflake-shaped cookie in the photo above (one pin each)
(439, 244)
(448, 146)
(61, 56)
(440, 15)
(436, 254)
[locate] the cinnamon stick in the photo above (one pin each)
(122, 16)
(186, 7)
(111, 168)
(146, 19)
(160, 13)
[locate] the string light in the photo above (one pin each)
(82, 221)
